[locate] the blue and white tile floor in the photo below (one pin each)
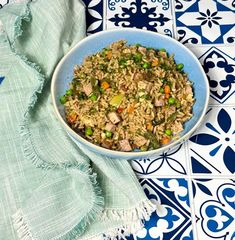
(193, 184)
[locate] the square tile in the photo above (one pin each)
(94, 15)
(172, 220)
(212, 147)
(220, 70)
(172, 162)
(214, 205)
(200, 23)
(147, 14)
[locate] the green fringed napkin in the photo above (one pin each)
(53, 188)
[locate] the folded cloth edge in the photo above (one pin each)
(133, 218)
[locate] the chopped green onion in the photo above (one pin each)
(165, 66)
(162, 50)
(101, 90)
(168, 132)
(69, 92)
(144, 148)
(63, 99)
(180, 66)
(108, 134)
(146, 65)
(171, 100)
(172, 117)
(122, 62)
(177, 103)
(82, 96)
(158, 122)
(138, 45)
(88, 131)
(103, 67)
(137, 57)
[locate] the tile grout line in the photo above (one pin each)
(104, 15)
(193, 176)
(190, 193)
(174, 28)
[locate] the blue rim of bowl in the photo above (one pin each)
(132, 154)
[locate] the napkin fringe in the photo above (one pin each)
(22, 226)
(133, 218)
(28, 146)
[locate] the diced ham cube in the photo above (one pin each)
(110, 127)
(125, 145)
(188, 89)
(142, 50)
(138, 77)
(140, 141)
(177, 128)
(114, 118)
(159, 102)
(87, 89)
(106, 144)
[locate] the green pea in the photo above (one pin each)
(161, 90)
(180, 66)
(171, 100)
(63, 99)
(88, 131)
(108, 134)
(146, 65)
(162, 50)
(93, 97)
(69, 92)
(168, 132)
(137, 57)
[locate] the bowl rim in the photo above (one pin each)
(116, 153)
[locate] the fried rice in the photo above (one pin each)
(129, 97)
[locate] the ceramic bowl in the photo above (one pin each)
(63, 75)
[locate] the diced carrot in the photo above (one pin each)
(109, 55)
(149, 126)
(167, 89)
(120, 110)
(165, 140)
(72, 118)
(105, 85)
(167, 95)
(155, 62)
(130, 109)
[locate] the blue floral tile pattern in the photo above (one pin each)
(205, 23)
(154, 15)
(94, 15)
(173, 162)
(220, 70)
(172, 220)
(214, 142)
(215, 209)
